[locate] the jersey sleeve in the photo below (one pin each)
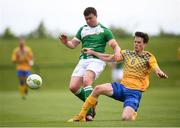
(108, 35)
(78, 34)
(152, 62)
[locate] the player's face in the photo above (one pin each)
(21, 43)
(91, 20)
(138, 44)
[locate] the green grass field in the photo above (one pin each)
(53, 104)
(159, 107)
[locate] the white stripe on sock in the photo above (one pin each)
(89, 87)
(78, 91)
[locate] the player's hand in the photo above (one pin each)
(31, 62)
(87, 51)
(117, 56)
(63, 38)
(161, 74)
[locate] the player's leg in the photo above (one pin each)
(131, 104)
(77, 80)
(93, 71)
(23, 86)
(128, 114)
(87, 83)
(104, 89)
(22, 75)
(75, 87)
(88, 79)
(25, 75)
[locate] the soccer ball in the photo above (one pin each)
(34, 81)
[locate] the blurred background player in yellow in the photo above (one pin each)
(23, 58)
(137, 66)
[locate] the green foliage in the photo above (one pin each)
(8, 34)
(119, 32)
(163, 33)
(40, 32)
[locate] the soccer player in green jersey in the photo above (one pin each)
(95, 36)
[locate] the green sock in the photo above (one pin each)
(81, 94)
(88, 89)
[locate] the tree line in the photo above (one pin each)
(41, 32)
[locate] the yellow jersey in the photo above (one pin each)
(22, 58)
(137, 69)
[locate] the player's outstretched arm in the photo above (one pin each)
(117, 54)
(102, 56)
(70, 44)
(160, 73)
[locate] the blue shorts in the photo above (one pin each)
(130, 97)
(23, 73)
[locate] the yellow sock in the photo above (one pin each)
(90, 101)
(23, 90)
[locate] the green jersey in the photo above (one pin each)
(95, 38)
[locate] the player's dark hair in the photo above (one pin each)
(90, 10)
(143, 35)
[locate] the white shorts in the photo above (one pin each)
(95, 65)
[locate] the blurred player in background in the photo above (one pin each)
(178, 53)
(95, 36)
(117, 71)
(23, 58)
(137, 66)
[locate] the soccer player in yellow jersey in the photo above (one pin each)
(137, 67)
(23, 58)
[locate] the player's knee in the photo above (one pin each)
(126, 117)
(73, 89)
(98, 89)
(22, 82)
(87, 81)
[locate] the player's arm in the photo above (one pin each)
(30, 58)
(154, 65)
(102, 56)
(113, 43)
(69, 43)
(14, 58)
(160, 73)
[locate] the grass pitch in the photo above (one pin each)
(159, 107)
